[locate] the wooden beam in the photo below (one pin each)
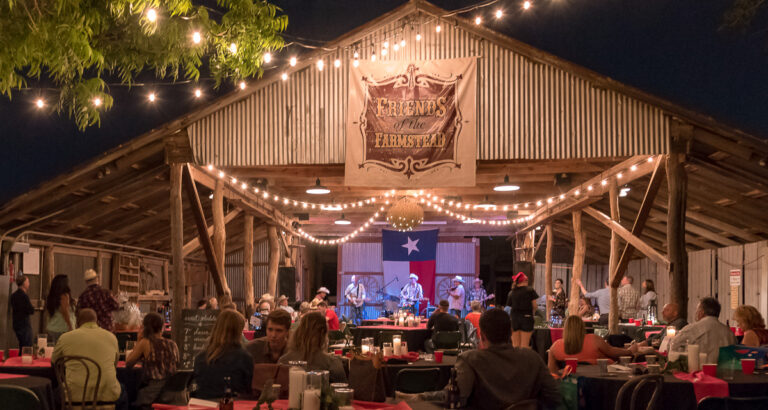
(194, 244)
(636, 242)
(248, 264)
(613, 257)
(677, 188)
(274, 259)
(202, 228)
(548, 269)
(177, 242)
(220, 241)
(579, 249)
(723, 226)
(642, 217)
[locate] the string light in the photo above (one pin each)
(320, 64)
(97, 102)
(292, 61)
(198, 93)
(526, 5)
(355, 63)
(242, 85)
(267, 57)
(499, 13)
(383, 51)
(418, 36)
(196, 37)
(373, 56)
(233, 48)
(438, 28)
(478, 20)
(40, 103)
(151, 15)
(402, 43)
(337, 63)
(151, 97)
(284, 76)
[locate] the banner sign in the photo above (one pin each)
(412, 124)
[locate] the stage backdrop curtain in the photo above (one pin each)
(404, 253)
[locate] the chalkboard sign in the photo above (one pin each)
(197, 325)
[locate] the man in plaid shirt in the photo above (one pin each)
(628, 297)
(99, 299)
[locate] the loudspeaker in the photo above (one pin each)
(286, 282)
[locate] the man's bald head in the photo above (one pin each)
(670, 312)
(85, 315)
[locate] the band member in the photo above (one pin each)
(412, 293)
(456, 299)
(478, 293)
(355, 294)
(322, 294)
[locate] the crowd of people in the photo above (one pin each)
(84, 326)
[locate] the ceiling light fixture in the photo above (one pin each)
(318, 189)
(506, 186)
(342, 221)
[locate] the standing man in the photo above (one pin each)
(22, 310)
(478, 293)
(99, 299)
(322, 294)
(412, 293)
(456, 293)
(355, 294)
(628, 297)
(603, 297)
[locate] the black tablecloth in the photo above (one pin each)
(600, 392)
(41, 386)
(415, 337)
(637, 332)
(390, 371)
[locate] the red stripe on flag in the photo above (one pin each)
(426, 272)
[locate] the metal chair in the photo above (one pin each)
(18, 398)
(635, 385)
(417, 380)
(733, 403)
(92, 375)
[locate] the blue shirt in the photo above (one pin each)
(603, 297)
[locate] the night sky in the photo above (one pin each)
(674, 49)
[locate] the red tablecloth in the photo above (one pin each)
(16, 362)
(704, 385)
(11, 376)
(422, 326)
(556, 333)
(283, 405)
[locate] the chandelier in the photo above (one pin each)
(405, 214)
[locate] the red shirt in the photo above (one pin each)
(332, 319)
(474, 318)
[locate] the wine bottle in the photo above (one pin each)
(452, 395)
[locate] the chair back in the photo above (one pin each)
(18, 398)
(91, 382)
(635, 385)
(446, 340)
(733, 403)
(261, 373)
(335, 336)
(417, 380)
(176, 388)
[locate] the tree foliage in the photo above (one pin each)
(81, 45)
(741, 13)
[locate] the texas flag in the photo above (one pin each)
(409, 252)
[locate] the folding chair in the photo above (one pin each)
(417, 380)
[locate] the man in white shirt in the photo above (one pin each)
(355, 294)
(707, 332)
(412, 294)
(456, 299)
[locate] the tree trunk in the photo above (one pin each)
(220, 241)
(177, 245)
(274, 259)
(248, 263)
(579, 250)
(613, 259)
(548, 269)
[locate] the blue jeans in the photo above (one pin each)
(24, 335)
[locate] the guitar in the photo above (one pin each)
(491, 296)
(357, 302)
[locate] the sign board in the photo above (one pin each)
(197, 325)
(736, 277)
(412, 124)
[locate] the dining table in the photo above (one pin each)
(283, 405)
(41, 386)
(599, 391)
(414, 336)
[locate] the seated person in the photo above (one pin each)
(270, 348)
(753, 325)
(309, 342)
(224, 356)
(330, 315)
(474, 316)
(441, 320)
(91, 341)
(585, 347)
(585, 308)
(258, 317)
(671, 315)
(499, 375)
(158, 356)
(707, 332)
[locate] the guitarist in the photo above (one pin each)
(355, 294)
(478, 293)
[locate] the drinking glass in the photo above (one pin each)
(26, 354)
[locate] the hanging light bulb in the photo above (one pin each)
(402, 43)
(267, 57)
(152, 15)
(292, 61)
(198, 93)
(383, 51)
(418, 36)
(499, 13)
(356, 55)
(97, 102)
(526, 5)
(337, 63)
(373, 56)
(396, 47)
(197, 37)
(355, 62)
(386, 44)
(233, 48)
(320, 65)
(40, 103)
(284, 76)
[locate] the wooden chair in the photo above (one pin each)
(417, 380)
(18, 398)
(92, 381)
(635, 385)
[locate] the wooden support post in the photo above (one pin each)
(613, 258)
(548, 268)
(274, 259)
(579, 250)
(47, 277)
(220, 242)
(248, 263)
(166, 284)
(677, 188)
(177, 243)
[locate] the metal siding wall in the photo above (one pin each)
(361, 257)
(455, 257)
(234, 273)
(728, 258)
(753, 274)
(529, 110)
(701, 278)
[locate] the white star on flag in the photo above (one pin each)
(411, 246)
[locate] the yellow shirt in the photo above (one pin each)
(93, 342)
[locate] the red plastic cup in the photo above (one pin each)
(747, 366)
(2, 355)
(439, 356)
(650, 323)
(710, 369)
(338, 352)
(733, 330)
(638, 323)
(631, 321)
(13, 353)
(573, 362)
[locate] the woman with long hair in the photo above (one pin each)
(309, 342)
(649, 295)
(224, 356)
(158, 356)
(587, 348)
(60, 308)
(522, 301)
(751, 322)
(585, 308)
(558, 298)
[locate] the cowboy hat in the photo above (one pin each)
(413, 276)
(90, 274)
(324, 290)
(458, 278)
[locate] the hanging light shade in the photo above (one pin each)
(486, 204)
(342, 221)
(405, 214)
(506, 186)
(318, 189)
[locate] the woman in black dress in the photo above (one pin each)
(522, 301)
(558, 299)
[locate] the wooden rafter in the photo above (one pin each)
(194, 244)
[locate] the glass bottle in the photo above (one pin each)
(227, 402)
(452, 394)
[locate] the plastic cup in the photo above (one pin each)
(603, 364)
(624, 360)
(573, 362)
(2, 355)
(439, 356)
(338, 352)
(650, 323)
(638, 322)
(13, 353)
(631, 321)
(710, 369)
(650, 359)
(747, 366)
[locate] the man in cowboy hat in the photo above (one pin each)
(478, 293)
(456, 299)
(322, 294)
(99, 299)
(412, 293)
